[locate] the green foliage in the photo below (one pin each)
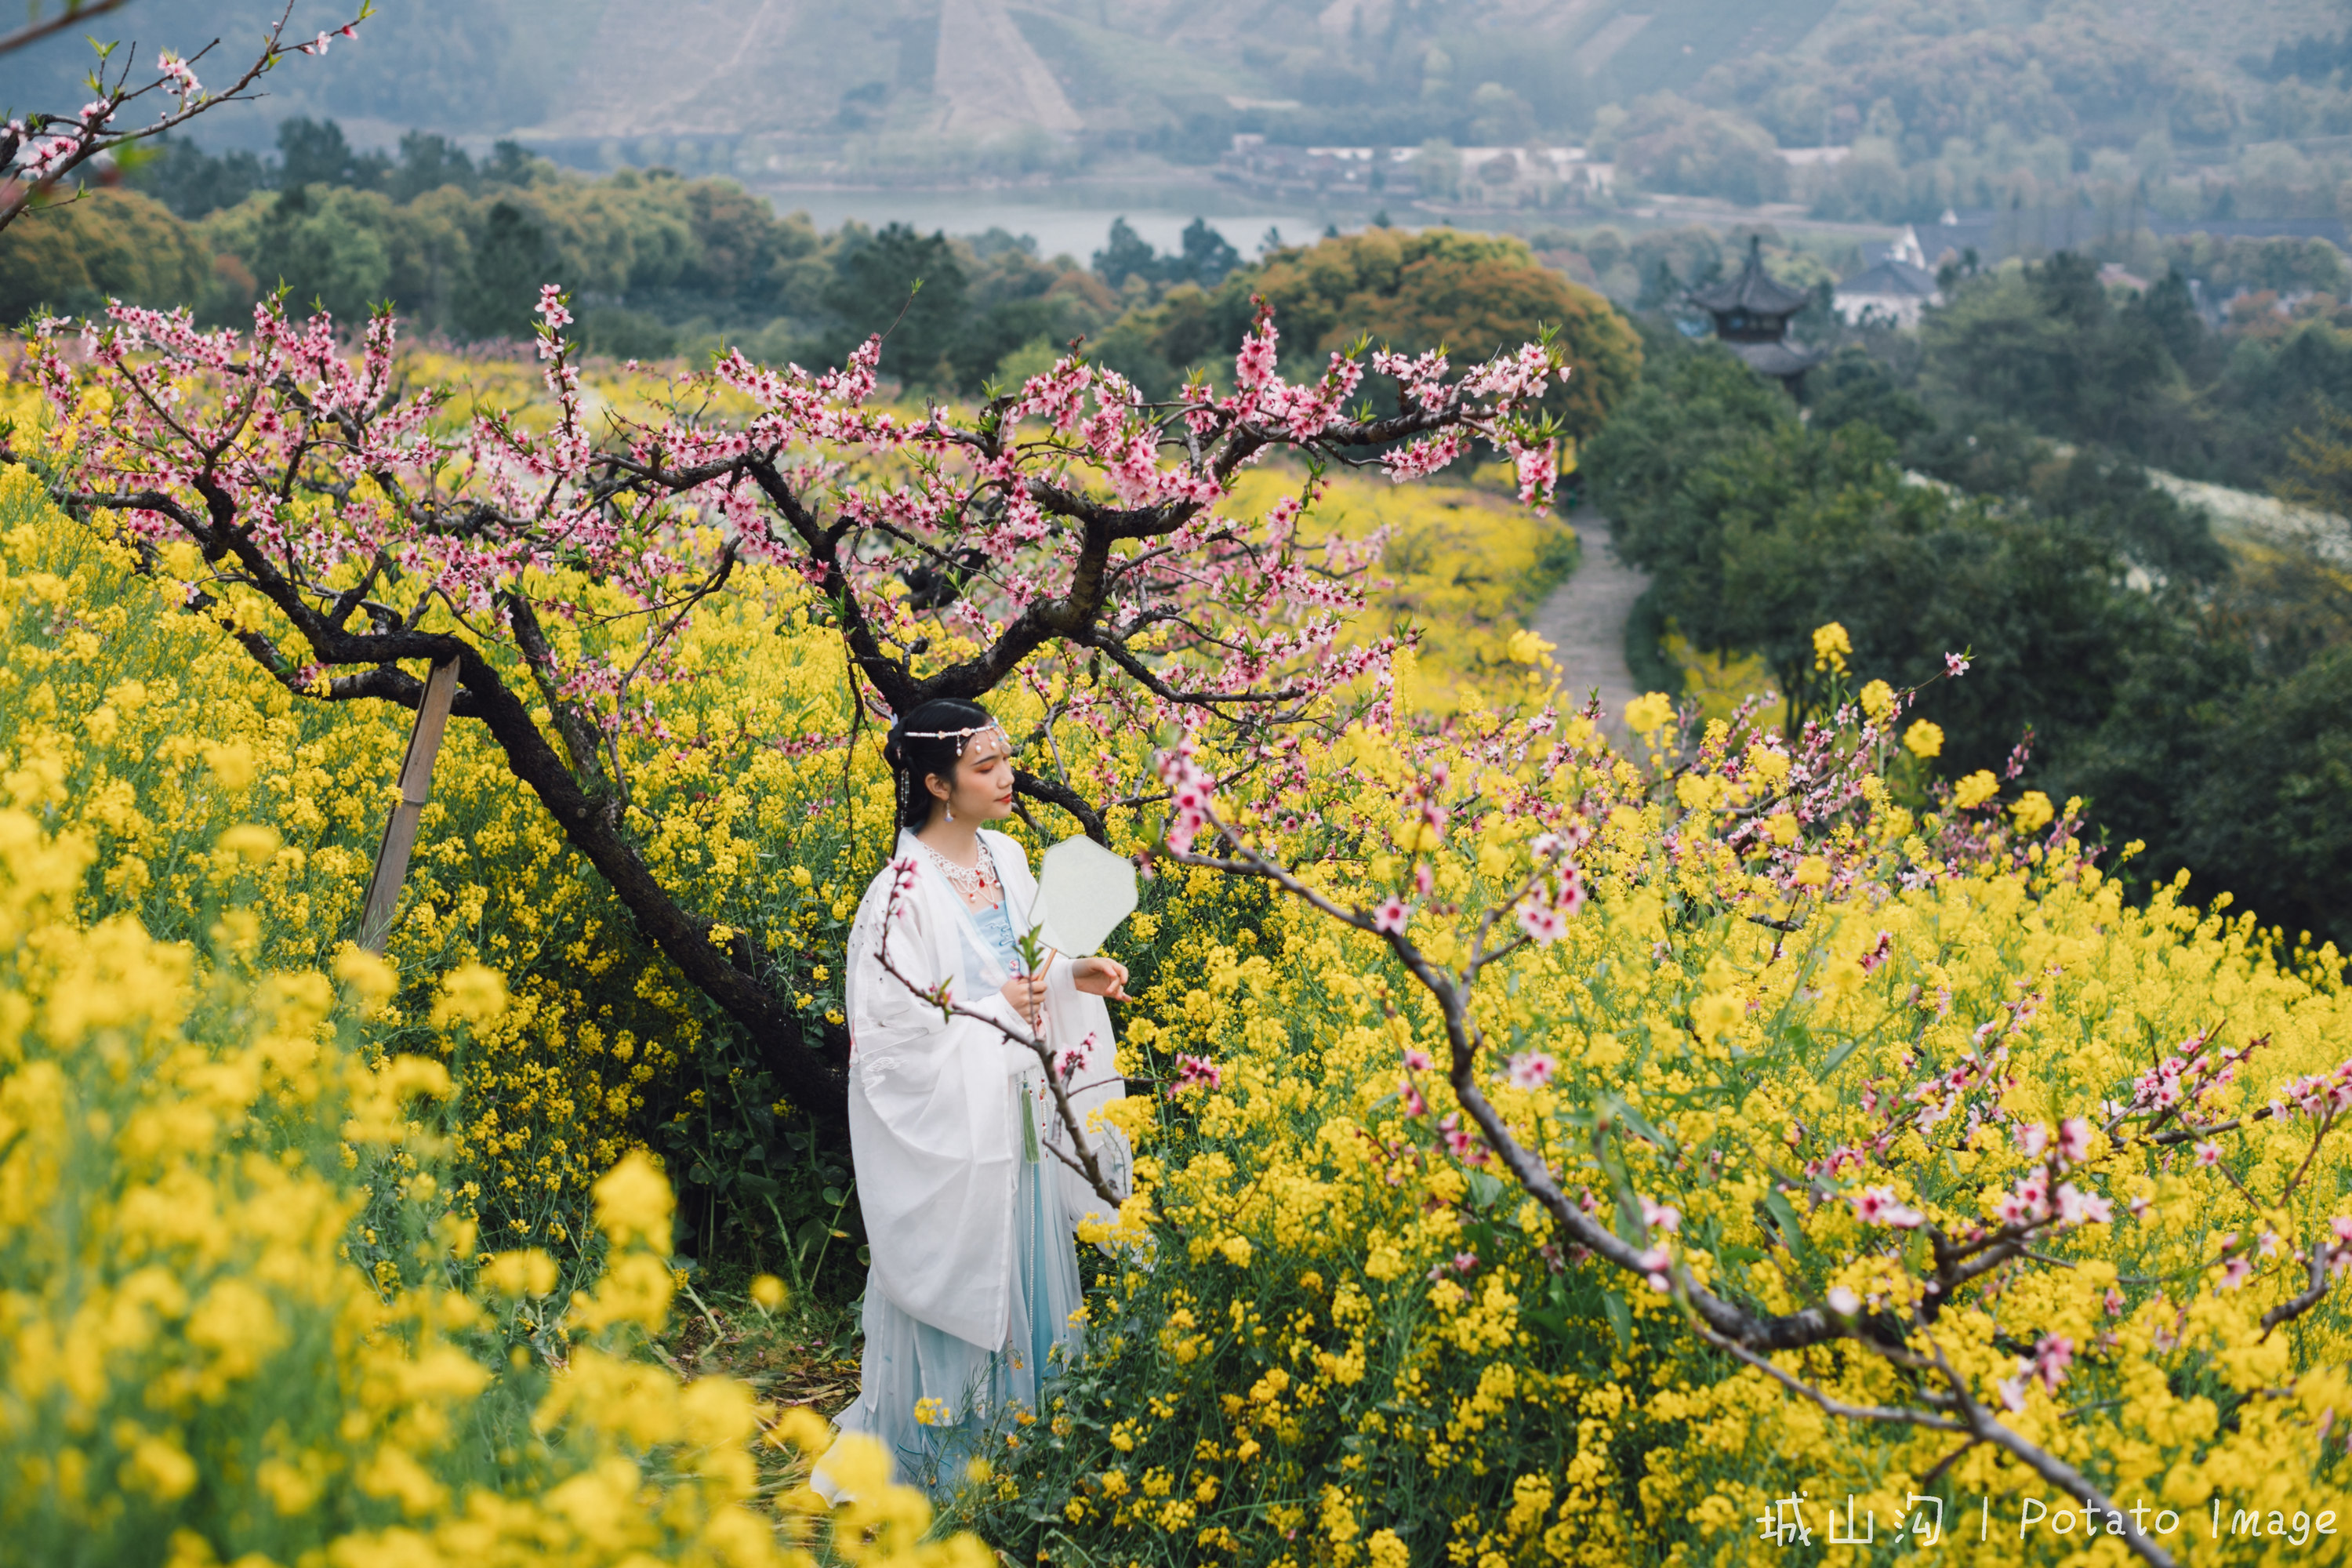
(2177, 691)
(1670, 143)
(1473, 295)
(109, 243)
(2046, 345)
(428, 163)
(1203, 256)
(315, 152)
(1854, 388)
(328, 243)
(2049, 347)
(193, 183)
(1947, 107)
(2233, 765)
(909, 285)
(510, 262)
(1759, 529)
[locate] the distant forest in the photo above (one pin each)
(2253, 335)
(1964, 104)
(660, 265)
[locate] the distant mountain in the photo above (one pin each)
(633, 80)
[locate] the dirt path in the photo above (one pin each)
(1584, 620)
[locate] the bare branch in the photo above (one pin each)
(2296, 1306)
(66, 18)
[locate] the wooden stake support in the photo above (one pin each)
(415, 788)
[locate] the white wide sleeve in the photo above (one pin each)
(931, 1135)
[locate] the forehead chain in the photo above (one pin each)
(961, 737)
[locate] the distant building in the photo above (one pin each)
(1956, 241)
(1518, 176)
(1893, 285)
(1751, 319)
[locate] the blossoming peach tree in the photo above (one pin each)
(1770, 1094)
(1069, 546)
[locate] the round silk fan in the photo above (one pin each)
(1084, 891)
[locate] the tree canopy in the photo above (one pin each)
(111, 243)
(1466, 293)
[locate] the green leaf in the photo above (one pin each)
(1836, 1058)
(1556, 1323)
(1620, 1318)
(1784, 1216)
(1640, 1124)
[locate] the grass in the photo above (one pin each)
(803, 1352)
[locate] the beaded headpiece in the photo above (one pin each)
(961, 737)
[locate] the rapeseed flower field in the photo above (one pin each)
(245, 1321)
(1362, 1341)
(1954, 1175)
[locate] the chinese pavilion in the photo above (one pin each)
(1751, 319)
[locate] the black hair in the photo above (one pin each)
(923, 743)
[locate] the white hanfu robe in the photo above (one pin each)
(973, 1281)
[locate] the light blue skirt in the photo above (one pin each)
(968, 1396)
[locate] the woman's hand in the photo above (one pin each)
(1027, 995)
(1105, 977)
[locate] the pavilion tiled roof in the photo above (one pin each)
(1755, 290)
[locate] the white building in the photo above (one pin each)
(1894, 285)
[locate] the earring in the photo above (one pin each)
(951, 813)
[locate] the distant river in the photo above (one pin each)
(1074, 231)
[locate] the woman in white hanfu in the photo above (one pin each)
(973, 1296)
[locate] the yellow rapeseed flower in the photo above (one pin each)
(1716, 1015)
(1831, 648)
(251, 842)
(528, 1272)
(1526, 648)
(633, 1204)
(1649, 712)
(473, 994)
(1976, 789)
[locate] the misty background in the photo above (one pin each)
(2061, 293)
